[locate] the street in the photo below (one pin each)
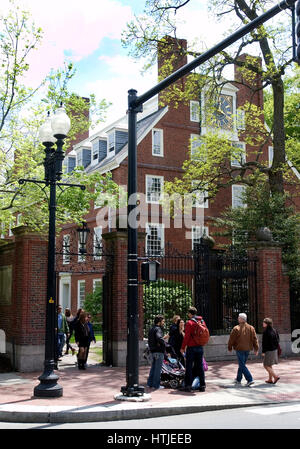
(284, 416)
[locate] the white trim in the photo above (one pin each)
(161, 143)
(204, 229)
(242, 146)
(161, 226)
(194, 104)
(149, 201)
(234, 198)
(81, 281)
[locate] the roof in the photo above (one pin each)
(143, 127)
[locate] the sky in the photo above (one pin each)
(88, 33)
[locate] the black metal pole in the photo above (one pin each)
(134, 106)
(48, 386)
(132, 364)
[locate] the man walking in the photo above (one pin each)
(193, 352)
(157, 348)
(62, 330)
(243, 339)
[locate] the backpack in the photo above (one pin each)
(201, 333)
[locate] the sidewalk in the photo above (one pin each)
(89, 395)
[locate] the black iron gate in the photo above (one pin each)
(221, 284)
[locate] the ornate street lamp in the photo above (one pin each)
(53, 131)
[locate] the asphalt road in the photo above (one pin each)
(284, 416)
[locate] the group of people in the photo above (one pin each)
(181, 341)
(84, 334)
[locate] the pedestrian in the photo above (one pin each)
(243, 339)
(91, 336)
(173, 330)
(82, 331)
(178, 339)
(157, 347)
(193, 351)
(70, 319)
(62, 331)
(270, 343)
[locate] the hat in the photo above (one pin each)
(243, 316)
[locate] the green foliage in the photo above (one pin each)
(93, 303)
(21, 115)
(164, 297)
(263, 209)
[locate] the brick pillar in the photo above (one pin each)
(116, 244)
(23, 316)
(273, 297)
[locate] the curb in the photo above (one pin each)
(77, 415)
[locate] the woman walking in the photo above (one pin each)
(82, 332)
(270, 343)
(69, 318)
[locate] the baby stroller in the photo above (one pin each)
(172, 372)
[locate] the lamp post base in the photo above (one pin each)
(133, 391)
(48, 387)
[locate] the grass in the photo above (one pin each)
(98, 336)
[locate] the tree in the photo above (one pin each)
(21, 114)
(147, 32)
(93, 303)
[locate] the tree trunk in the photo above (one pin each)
(275, 174)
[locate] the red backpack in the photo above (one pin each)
(200, 332)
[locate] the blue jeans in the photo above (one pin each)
(154, 375)
(60, 343)
(194, 366)
(242, 357)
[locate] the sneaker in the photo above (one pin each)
(161, 387)
(237, 382)
(248, 384)
(201, 389)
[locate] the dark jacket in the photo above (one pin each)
(155, 339)
(82, 332)
(173, 332)
(270, 340)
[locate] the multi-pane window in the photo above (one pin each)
(81, 294)
(240, 119)
(199, 197)
(111, 142)
(154, 239)
(81, 255)
(95, 151)
(97, 243)
(194, 111)
(157, 142)
(97, 283)
(239, 156)
(154, 187)
(197, 233)
(196, 144)
(237, 195)
(66, 249)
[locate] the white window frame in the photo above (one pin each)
(161, 142)
(242, 146)
(112, 135)
(270, 155)
(95, 281)
(160, 226)
(96, 160)
(198, 200)
(79, 293)
(235, 200)
(97, 230)
(240, 119)
(66, 256)
(195, 143)
(149, 200)
(203, 231)
(194, 111)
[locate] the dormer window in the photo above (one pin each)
(95, 151)
(111, 142)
